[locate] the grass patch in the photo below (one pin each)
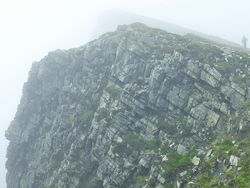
(164, 148)
(206, 179)
(245, 57)
(169, 128)
(104, 82)
(86, 119)
(199, 51)
(241, 81)
(238, 178)
(245, 104)
(101, 114)
(225, 149)
(177, 162)
(233, 116)
(136, 144)
(169, 185)
(243, 180)
(139, 81)
(114, 92)
(141, 180)
(224, 67)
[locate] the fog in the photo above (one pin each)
(30, 29)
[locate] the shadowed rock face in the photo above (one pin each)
(127, 110)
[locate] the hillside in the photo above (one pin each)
(137, 107)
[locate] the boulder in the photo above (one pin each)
(181, 150)
(233, 160)
(196, 161)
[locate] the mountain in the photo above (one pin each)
(137, 107)
(109, 20)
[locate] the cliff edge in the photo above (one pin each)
(138, 107)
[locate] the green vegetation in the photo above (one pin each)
(224, 149)
(184, 127)
(79, 51)
(205, 99)
(164, 148)
(240, 181)
(169, 128)
(207, 87)
(207, 181)
(86, 119)
(224, 67)
(114, 92)
(152, 182)
(195, 92)
(241, 81)
(102, 113)
(177, 162)
(183, 120)
(140, 180)
(183, 50)
(199, 51)
(225, 145)
(243, 180)
(197, 38)
(168, 185)
(244, 105)
(206, 178)
(104, 82)
(151, 31)
(233, 116)
(95, 103)
(237, 178)
(139, 81)
(242, 85)
(164, 50)
(136, 143)
(87, 183)
(245, 57)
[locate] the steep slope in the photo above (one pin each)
(137, 107)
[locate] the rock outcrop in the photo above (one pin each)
(138, 107)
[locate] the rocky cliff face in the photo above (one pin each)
(138, 107)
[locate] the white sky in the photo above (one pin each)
(29, 29)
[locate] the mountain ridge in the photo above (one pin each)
(138, 107)
(109, 20)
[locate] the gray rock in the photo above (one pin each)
(212, 72)
(196, 161)
(148, 40)
(212, 118)
(107, 114)
(209, 79)
(181, 150)
(233, 160)
(199, 112)
(183, 173)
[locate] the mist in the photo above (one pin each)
(29, 30)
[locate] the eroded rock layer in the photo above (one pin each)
(138, 107)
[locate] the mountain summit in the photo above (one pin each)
(109, 20)
(137, 107)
